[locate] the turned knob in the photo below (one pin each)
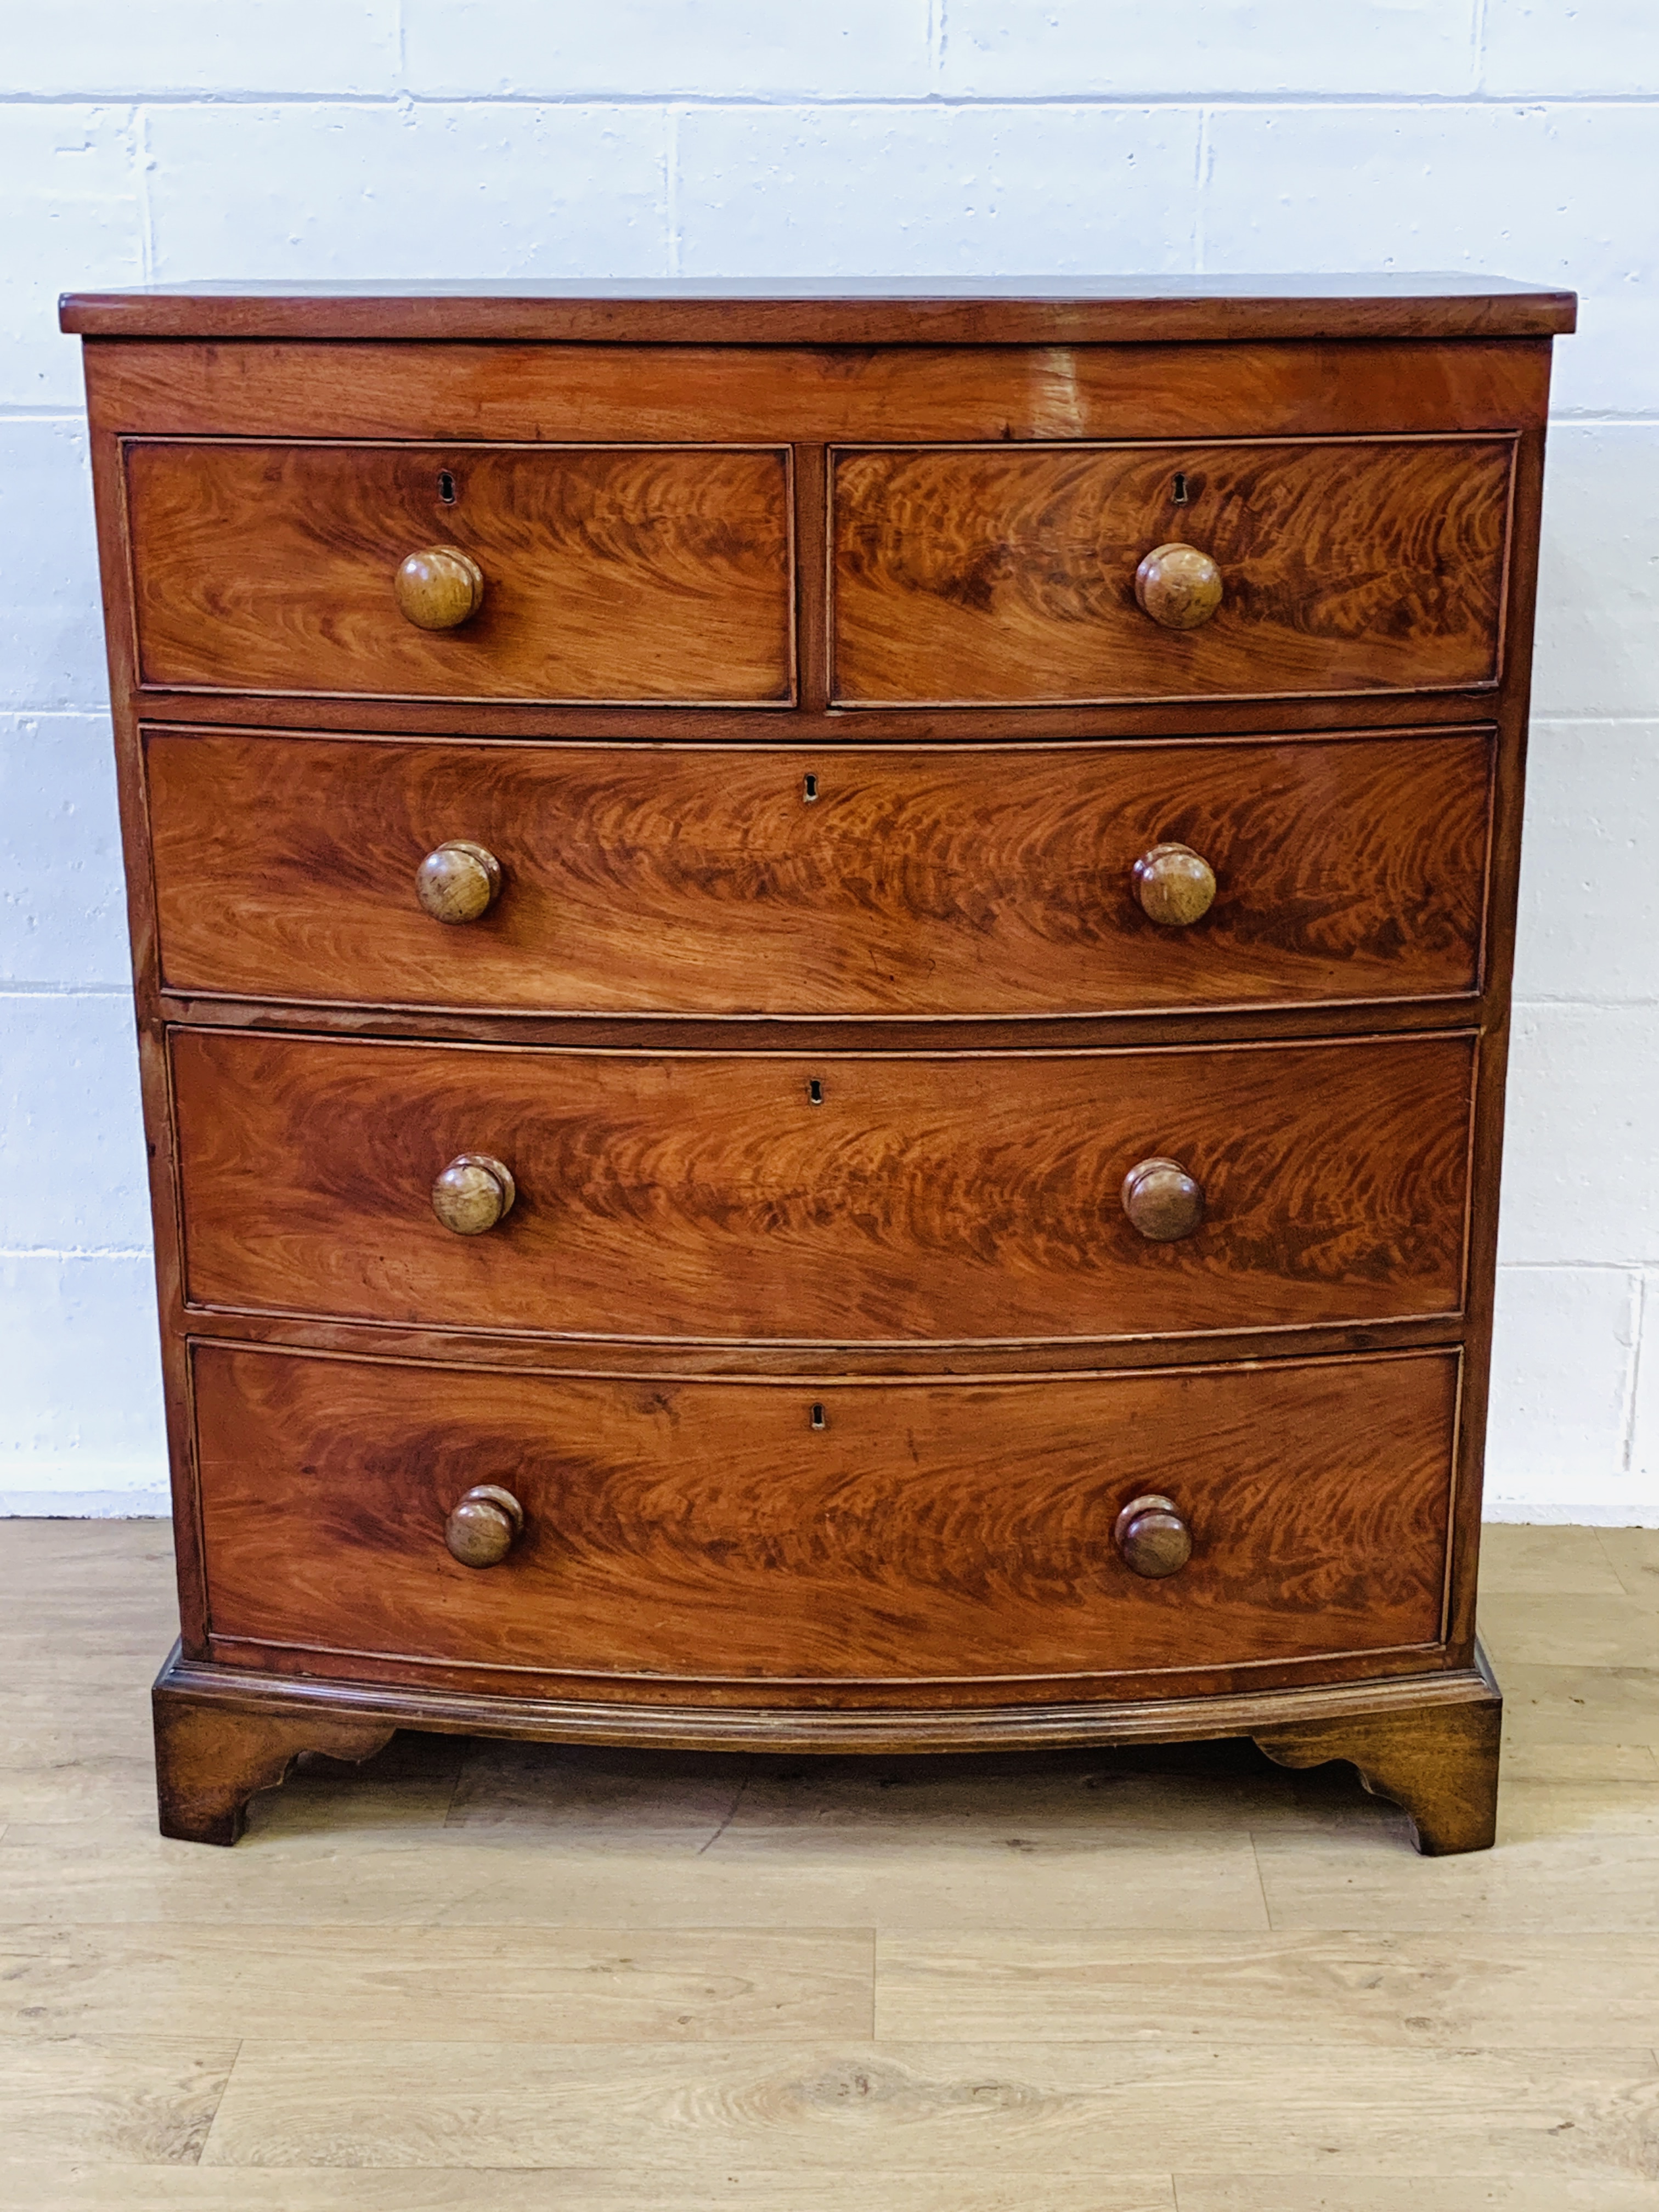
(440, 587)
(1175, 885)
(1162, 1200)
(473, 1194)
(459, 881)
(485, 1525)
(1178, 587)
(1153, 1538)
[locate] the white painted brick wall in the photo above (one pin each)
(352, 138)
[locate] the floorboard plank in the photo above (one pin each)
(67, 2188)
(1050, 2108)
(108, 1873)
(145, 2098)
(1316, 1988)
(483, 1985)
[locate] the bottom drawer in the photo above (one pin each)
(744, 1533)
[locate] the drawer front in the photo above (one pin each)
(712, 1531)
(1003, 575)
(620, 574)
(778, 1197)
(873, 882)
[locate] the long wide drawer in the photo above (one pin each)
(838, 1199)
(946, 880)
(1008, 574)
(606, 573)
(743, 1532)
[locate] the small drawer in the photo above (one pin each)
(615, 573)
(769, 1197)
(728, 1534)
(1012, 574)
(873, 882)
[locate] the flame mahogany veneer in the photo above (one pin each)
(796, 1098)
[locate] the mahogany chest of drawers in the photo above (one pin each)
(822, 987)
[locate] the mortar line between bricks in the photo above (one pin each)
(71, 1252)
(794, 101)
(1633, 1374)
(139, 131)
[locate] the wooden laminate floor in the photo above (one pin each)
(493, 1976)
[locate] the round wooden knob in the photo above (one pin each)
(440, 587)
(1151, 1536)
(484, 1526)
(459, 881)
(1178, 587)
(1175, 885)
(473, 1194)
(1162, 1200)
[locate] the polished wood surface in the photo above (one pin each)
(950, 880)
(483, 1525)
(439, 589)
(1152, 1539)
(613, 572)
(835, 1199)
(209, 1761)
(1376, 926)
(1178, 587)
(1444, 1776)
(712, 1531)
(1065, 310)
(808, 394)
(992, 576)
(473, 1193)
(1175, 885)
(459, 880)
(1162, 1200)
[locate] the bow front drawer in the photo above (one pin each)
(798, 1533)
(1015, 575)
(776, 1197)
(613, 573)
(881, 881)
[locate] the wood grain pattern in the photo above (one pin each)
(1311, 1987)
(709, 1531)
(543, 1985)
(944, 1197)
(807, 393)
(209, 1762)
(989, 575)
(893, 311)
(624, 573)
(1442, 1768)
(1578, 2118)
(936, 881)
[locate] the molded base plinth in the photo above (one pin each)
(1430, 1742)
